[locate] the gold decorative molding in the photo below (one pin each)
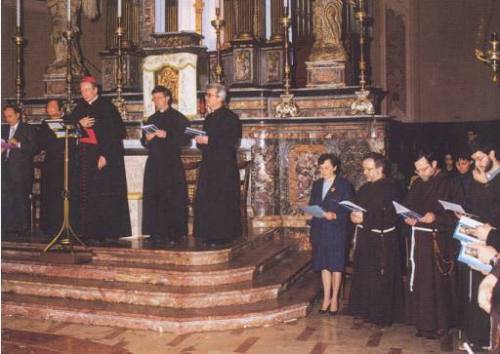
(198, 8)
(168, 76)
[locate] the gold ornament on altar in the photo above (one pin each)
(491, 56)
(363, 103)
(169, 77)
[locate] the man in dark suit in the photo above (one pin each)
(18, 149)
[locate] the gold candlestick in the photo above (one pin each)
(119, 101)
(68, 35)
(19, 41)
(491, 56)
(287, 106)
(363, 102)
(218, 23)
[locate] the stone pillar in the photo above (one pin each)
(187, 16)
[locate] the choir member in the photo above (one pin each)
(18, 150)
(430, 300)
(217, 213)
(165, 210)
(376, 289)
(328, 234)
(104, 212)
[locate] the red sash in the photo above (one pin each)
(90, 138)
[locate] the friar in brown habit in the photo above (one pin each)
(431, 261)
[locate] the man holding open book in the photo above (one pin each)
(165, 190)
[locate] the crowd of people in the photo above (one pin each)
(404, 269)
(97, 179)
(434, 291)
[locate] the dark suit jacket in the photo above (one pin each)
(19, 166)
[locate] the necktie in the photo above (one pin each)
(12, 132)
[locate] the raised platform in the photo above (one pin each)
(259, 281)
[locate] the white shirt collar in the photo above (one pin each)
(93, 100)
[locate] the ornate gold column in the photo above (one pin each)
(198, 9)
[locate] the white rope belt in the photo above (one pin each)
(384, 231)
(355, 236)
(412, 251)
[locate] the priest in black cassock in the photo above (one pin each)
(217, 214)
(165, 210)
(104, 212)
(52, 174)
(377, 289)
(431, 258)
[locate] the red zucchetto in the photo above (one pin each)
(89, 79)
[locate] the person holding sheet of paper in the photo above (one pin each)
(376, 284)
(328, 234)
(430, 308)
(165, 210)
(217, 207)
(17, 173)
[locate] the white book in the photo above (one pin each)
(463, 224)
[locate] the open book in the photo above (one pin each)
(314, 210)
(465, 256)
(194, 132)
(149, 128)
(405, 212)
(351, 206)
(456, 208)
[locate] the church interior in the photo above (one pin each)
(306, 79)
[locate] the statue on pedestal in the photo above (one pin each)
(327, 30)
(326, 65)
(59, 25)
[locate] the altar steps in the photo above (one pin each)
(264, 281)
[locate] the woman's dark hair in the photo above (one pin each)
(380, 161)
(162, 89)
(334, 160)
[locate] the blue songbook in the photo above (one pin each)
(351, 206)
(463, 224)
(466, 257)
(314, 210)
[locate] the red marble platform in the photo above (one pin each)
(263, 279)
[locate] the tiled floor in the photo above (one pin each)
(315, 334)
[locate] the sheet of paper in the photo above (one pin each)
(314, 210)
(194, 132)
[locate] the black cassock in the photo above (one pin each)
(483, 200)
(165, 192)
(217, 214)
(52, 181)
(102, 195)
(432, 303)
(377, 288)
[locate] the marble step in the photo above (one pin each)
(252, 260)
(264, 287)
(188, 252)
(293, 304)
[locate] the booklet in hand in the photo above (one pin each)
(463, 224)
(405, 212)
(314, 210)
(194, 132)
(149, 128)
(467, 257)
(8, 146)
(456, 208)
(351, 206)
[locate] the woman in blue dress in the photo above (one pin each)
(328, 234)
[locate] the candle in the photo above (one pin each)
(119, 8)
(285, 3)
(69, 11)
(18, 13)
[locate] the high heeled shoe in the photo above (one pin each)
(325, 311)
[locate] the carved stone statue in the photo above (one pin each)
(58, 13)
(327, 30)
